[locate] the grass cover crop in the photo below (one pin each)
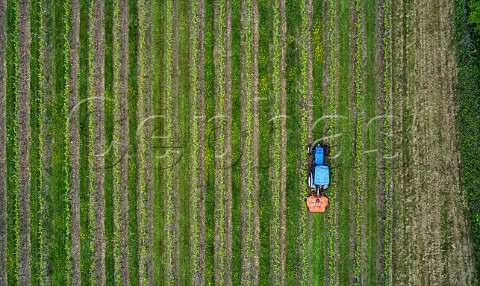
(387, 240)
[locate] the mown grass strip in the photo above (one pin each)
(66, 140)
(3, 141)
(142, 141)
(169, 126)
(91, 144)
(331, 133)
(387, 240)
(359, 142)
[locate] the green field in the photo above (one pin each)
(165, 142)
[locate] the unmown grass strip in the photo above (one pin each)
(387, 89)
(3, 149)
(331, 132)
(277, 151)
(359, 145)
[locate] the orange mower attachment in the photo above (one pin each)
(317, 204)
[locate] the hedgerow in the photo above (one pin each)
(387, 253)
(468, 90)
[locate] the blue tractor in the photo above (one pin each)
(318, 178)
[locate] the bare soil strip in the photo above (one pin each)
(23, 117)
(438, 247)
(99, 140)
(74, 142)
(278, 148)
(121, 127)
(3, 154)
(249, 143)
(197, 226)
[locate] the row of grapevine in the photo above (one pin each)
(305, 127)
(359, 158)
(331, 131)
(41, 261)
(277, 170)
(249, 121)
(387, 89)
(120, 142)
(197, 224)
(66, 139)
(3, 149)
(220, 258)
(142, 148)
(169, 223)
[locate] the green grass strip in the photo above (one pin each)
(387, 253)
(331, 131)
(91, 143)
(359, 142)
(66, 142)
